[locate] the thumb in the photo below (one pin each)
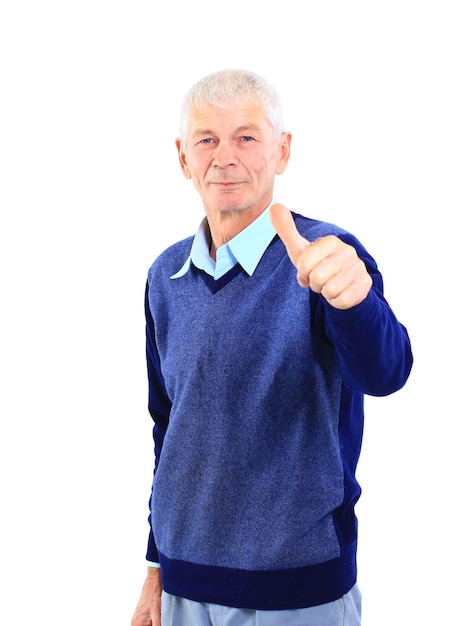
(284, 224)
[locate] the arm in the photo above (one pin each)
(148, 611)
(159, 404)
(373, 348)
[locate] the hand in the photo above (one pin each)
(148, 611)
(328, 265)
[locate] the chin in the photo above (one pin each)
(230, 205)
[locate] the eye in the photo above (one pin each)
(206, 140)
(247, 138)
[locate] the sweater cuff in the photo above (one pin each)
(152, 552)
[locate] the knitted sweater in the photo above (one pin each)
(256, 390)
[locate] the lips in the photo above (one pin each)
(226, 183)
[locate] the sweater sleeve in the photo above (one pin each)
(373, 347)
(158, 405)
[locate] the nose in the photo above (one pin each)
(224, 155)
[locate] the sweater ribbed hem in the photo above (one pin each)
(282, 589)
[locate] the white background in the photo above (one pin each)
(380, 99)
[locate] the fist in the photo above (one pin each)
(327, 266)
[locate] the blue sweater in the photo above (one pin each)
(256, 390)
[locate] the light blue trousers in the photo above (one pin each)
(181, 612)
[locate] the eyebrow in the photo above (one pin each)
(202, 131)
(248, 127)
(245, 127)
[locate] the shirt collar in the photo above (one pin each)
(246, 248)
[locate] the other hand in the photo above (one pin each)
(148, 611)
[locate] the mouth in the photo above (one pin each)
(226, 184)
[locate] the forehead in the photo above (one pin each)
(241, 115)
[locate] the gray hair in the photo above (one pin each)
(225, 88)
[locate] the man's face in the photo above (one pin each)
(232, 157)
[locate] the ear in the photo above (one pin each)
(180, 146)
(284, 153)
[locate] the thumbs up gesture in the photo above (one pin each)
(328, 265)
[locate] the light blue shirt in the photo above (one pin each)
(246, 248)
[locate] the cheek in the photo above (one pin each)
(198, 167)
(267, 168)
(258, 166)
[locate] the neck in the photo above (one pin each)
(224, 225)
